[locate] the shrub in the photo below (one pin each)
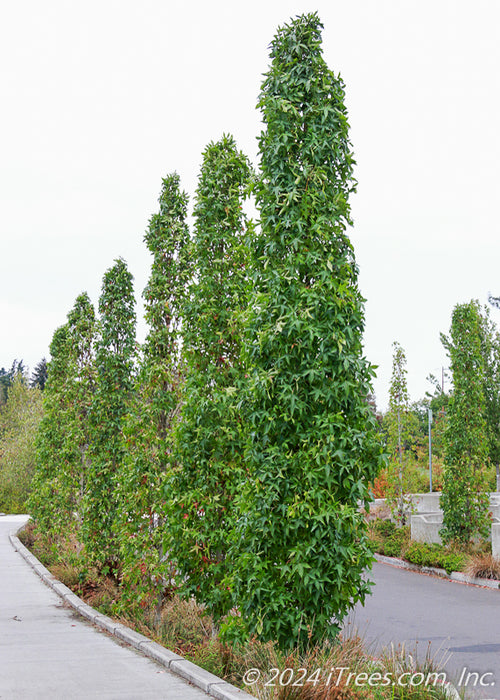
(435, 555)
(386, 528)
(393, 547)
(379, 485)
(389, 539)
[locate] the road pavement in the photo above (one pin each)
(49, 651)
(461, 622)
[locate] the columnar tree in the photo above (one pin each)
(464, 500)
(148, 427)
(50, 500)
(400, 424)
(312, 446)
(64, 432)
(208, 445)
(491, 354)
(115, 350)
(82, 333)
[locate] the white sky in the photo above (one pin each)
(101, 99)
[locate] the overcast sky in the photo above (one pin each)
(101, 99)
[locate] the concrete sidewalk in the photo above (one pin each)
(49, 651)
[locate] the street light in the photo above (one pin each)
(429, 415)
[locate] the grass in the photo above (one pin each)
(483, 565)
(186, 628)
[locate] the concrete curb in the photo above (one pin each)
(208, 682)
(454, 576)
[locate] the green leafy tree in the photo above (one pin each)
(402, 428)
(301, 545)
(208, 443)
(115, 350)
(82, 333)
(438, 403)
(19, 421)
(148, 428)
(49, 502)
(63, 440)
(491, 355)
(464, 499)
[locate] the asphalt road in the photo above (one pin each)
(461, 622)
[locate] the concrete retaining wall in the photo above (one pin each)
(426, 502)
(426, 522)
(495, 539)
(424, 527)
(495, 504)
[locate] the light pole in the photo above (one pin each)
(429, 416)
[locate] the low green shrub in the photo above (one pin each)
(386, 528)
(435, 555)
(389, 539)
(392, 547)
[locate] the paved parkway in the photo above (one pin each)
(48, 651)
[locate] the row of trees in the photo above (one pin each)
(7, 377)
(228, 455)
(468, 425)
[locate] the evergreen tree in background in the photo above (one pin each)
(39, 376)
(302, 549)
(491, 355)
(7, 377)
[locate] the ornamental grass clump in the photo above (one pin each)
(483, 566)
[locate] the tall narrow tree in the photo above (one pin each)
(208, 447)
(399, 422)
(148, 428)
(81, 388)
(491, 355)
(115, 350)
(464, 499)
(313, 450)
(49, 502)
